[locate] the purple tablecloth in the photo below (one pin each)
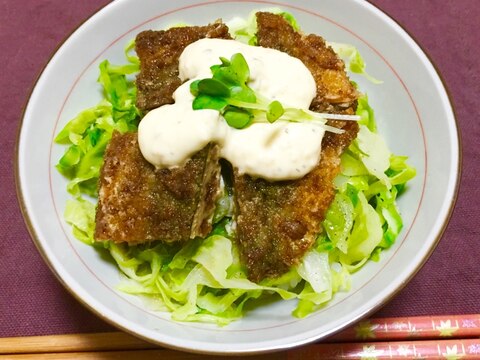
(33, 302)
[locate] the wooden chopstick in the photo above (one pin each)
(465, 349)
(412, 328)
(131, 355)
(376, 330)
(72, 343)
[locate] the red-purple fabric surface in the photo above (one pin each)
(33, 302)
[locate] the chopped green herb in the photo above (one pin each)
(227, 91)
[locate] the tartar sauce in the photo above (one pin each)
(171, 134)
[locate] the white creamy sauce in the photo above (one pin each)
(277, 151)
(274, 74)
(170, 135)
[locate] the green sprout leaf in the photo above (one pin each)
(213, 87)
(237, 118)
(240, 67)
(194, 87)
(275, 110)
(227, 91)
(243, 93)
(209, 102)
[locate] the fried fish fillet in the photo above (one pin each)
(277, 222)
(138, 203)
(334, 89)
(159, 52)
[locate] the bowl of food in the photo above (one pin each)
(230, 176)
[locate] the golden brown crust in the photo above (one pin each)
(278, 222)
(208, 194)
(334, 90)
(159, 52)
(138, 203)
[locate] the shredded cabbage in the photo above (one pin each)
(80, 213)
(204, 279)
(353, 60)
(89, 132)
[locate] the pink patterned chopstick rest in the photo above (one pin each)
(419, 327)
(452, 349)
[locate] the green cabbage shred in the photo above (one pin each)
(204, 279)
(89, 132)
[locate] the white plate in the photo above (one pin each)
(413, 111)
